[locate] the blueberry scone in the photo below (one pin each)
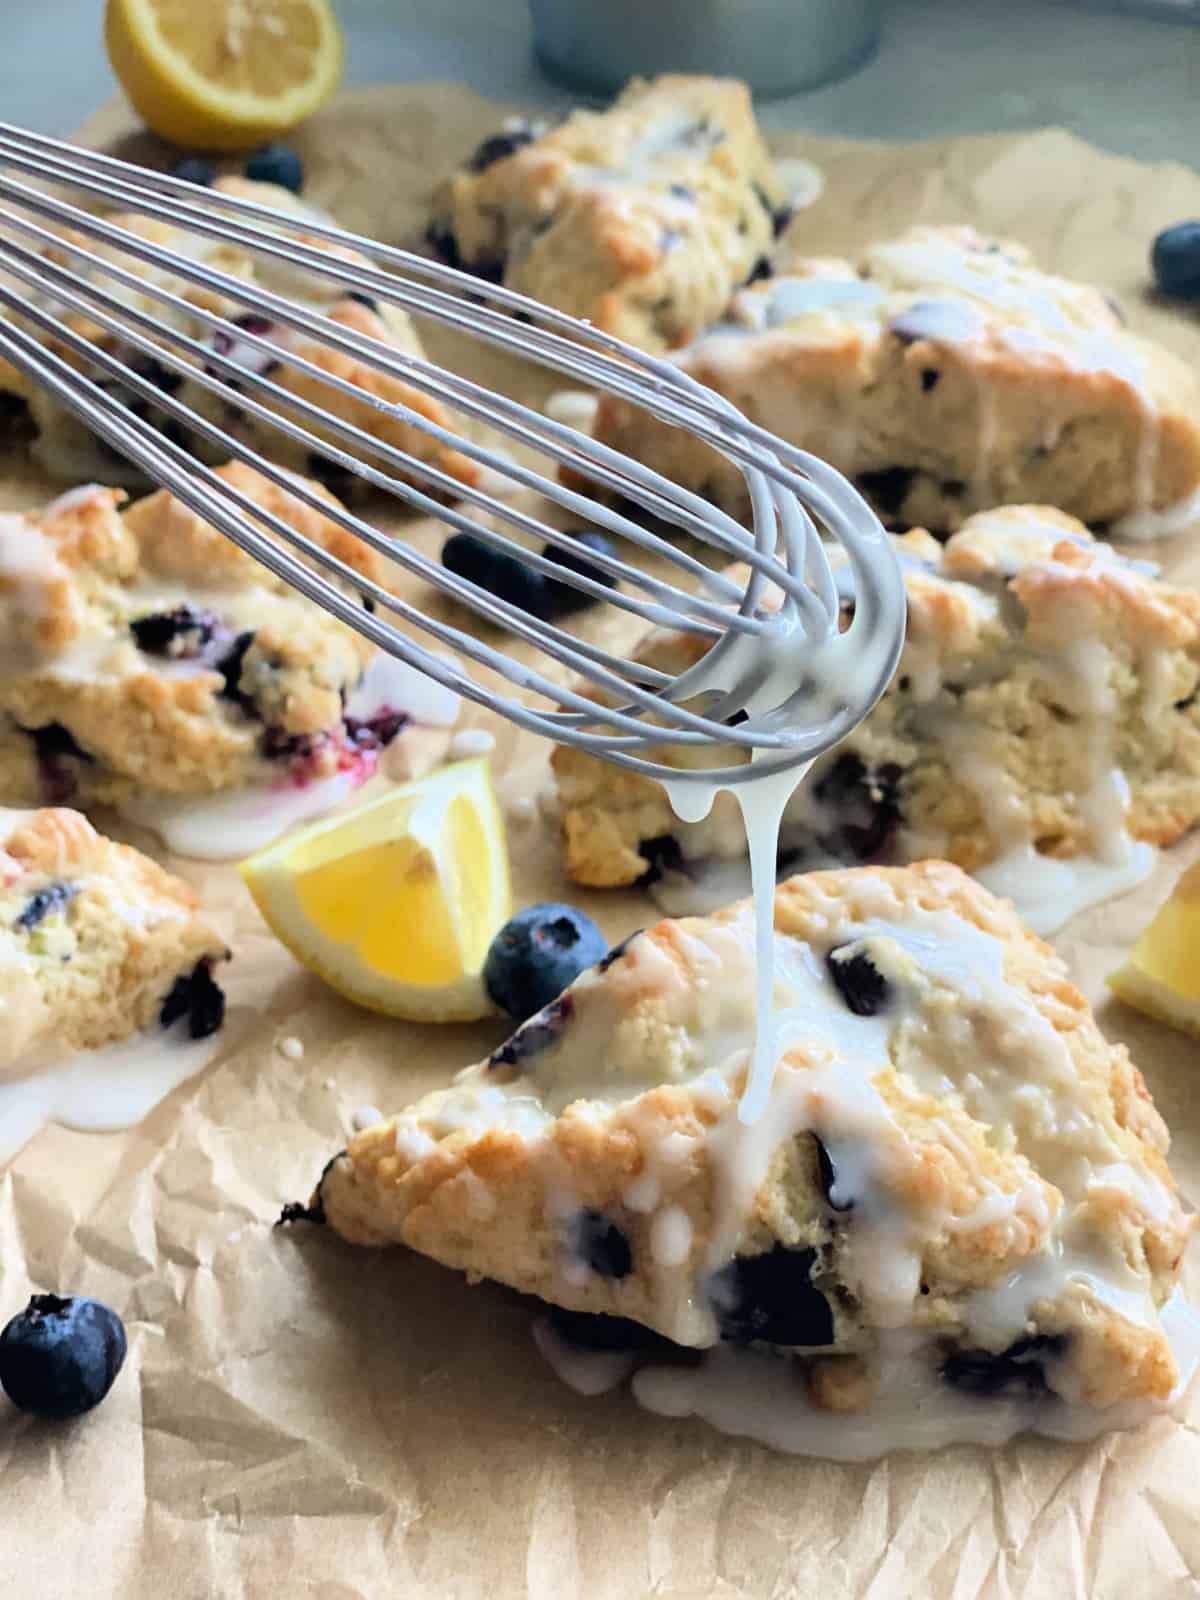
(643, 219)
(69, 451)
(97, 943)
(957, 1193)
(149, 664)
(944, 373)
(1043, 718)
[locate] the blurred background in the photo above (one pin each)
(1126, 77)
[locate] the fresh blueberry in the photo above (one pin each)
(562, 599)
(770, 1297)
(596, 1241)
(1176, 261)
(60, 1357)
(198, 998)
(537, 954)
(499, 147)
(194, 169)
(45, 903)
(861, 986)
(500, 574)
(276, 163)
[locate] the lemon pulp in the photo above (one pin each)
(395, 903)
(224, 74)
(1162, 974)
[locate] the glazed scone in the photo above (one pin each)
(97, 943)
(146, 661)
(70, 452)
(944, 373)
(1044, 714)
(642, 219)
(954, 1173)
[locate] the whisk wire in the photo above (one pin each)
(642, 710)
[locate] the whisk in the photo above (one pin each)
(758, 687)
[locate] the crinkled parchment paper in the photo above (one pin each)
(298, 1418)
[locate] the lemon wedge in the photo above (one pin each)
(1162, 975)
(395, 903)
(224, 74)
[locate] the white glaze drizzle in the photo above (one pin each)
(100, 1090)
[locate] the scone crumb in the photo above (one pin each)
(839, 1383)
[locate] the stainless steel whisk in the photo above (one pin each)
(793, 496)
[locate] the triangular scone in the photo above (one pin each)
(952, 1154)
(148, 663)
(1046, 697)
(642, 219)
(69, 451)
(944, 372)
(97, 942)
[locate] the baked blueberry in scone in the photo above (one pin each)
(148, 663)
(70, 452)
(97, 943)
(957, 1184)
(643, 219)
(1044, 713)
(945, 373)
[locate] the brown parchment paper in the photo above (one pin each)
(298, 1418)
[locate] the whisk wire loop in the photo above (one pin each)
(613, 705)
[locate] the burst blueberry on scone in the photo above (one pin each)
(643, 219)
(146, 659)
(944, 373)
(71, 452)
(953, 1162)
(97, 942)
(1046, 701)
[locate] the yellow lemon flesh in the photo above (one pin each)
(395, 903)
(224, 74)
(1162, 975)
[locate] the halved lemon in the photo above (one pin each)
(224, 74)
(1162, 975)
(395, 903)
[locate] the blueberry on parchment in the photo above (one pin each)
(60, 1357)
(537, 954)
